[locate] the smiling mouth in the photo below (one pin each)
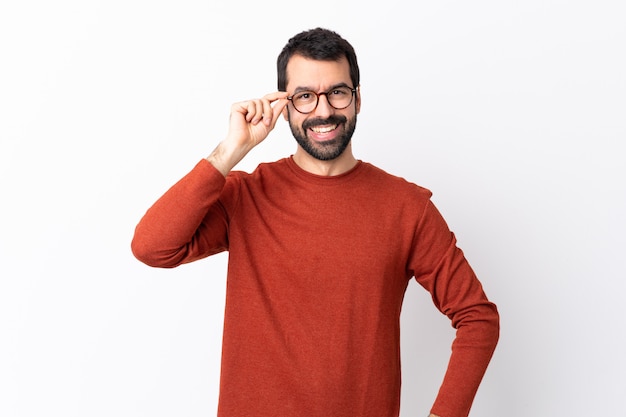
(323, 129)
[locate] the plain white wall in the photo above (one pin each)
(512, 113)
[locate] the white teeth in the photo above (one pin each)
(323, 129)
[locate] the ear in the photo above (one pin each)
(286, 112)
(358, 99)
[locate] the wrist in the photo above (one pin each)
(225, 157)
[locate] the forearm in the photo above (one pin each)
(472, 350)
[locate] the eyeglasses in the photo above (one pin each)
(306, 101)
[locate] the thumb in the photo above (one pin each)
(277, 110)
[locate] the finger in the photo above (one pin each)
(277, 110)
(279, 107)
(260, 109)
(245, 109)
(255, 112)
(275, 96)
(268, 113)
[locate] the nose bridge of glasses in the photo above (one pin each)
(326, 96)
(322, 106)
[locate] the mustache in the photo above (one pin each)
(335, 119)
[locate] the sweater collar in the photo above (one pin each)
(323, 179)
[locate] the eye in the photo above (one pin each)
(303, 96)
(339, 92)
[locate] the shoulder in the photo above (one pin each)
(382, 180)
(264, 169)
(265, 174)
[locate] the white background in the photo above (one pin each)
(512, 113)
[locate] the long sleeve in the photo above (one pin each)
(187, 223)
(442, 269)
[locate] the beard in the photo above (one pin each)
(330, 149)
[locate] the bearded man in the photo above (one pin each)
(321, 249)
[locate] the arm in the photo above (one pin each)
(441, 268)
(188, 222)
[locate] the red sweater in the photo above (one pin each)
(318, 268)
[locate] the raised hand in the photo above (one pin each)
(250, 123)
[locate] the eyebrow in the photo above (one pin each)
(300, 89)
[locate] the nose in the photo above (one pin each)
(323, 109)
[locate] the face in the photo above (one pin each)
(325, 133)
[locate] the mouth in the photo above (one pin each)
(323, 129)
(324, 133)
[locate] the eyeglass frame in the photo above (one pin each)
(317, 98)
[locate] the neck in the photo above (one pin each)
(343, 163)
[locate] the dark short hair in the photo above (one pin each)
(318, 44)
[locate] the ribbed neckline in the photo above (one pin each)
(325, 179)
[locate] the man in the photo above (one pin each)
(321, 249)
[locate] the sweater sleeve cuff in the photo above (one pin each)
(212, 174)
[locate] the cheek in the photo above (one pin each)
(294, 118)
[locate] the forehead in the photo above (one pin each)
(317, 75)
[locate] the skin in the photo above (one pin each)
(251, 121)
